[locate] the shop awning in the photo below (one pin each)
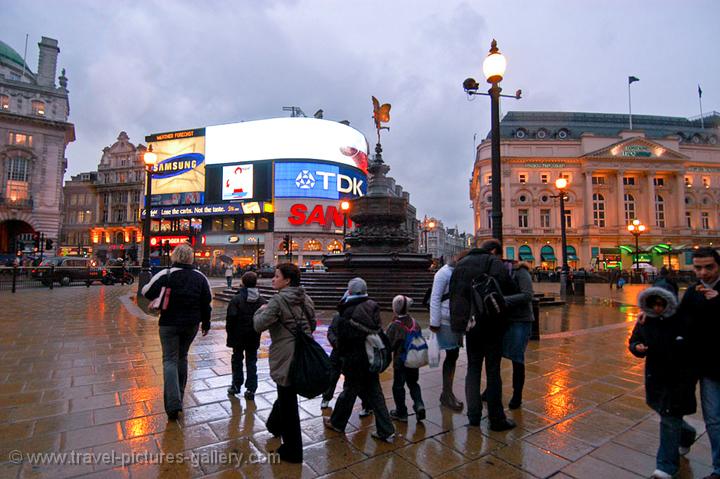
(548, 257)
(609, 250)
(526, 257)
(572, 257)
(627, 249)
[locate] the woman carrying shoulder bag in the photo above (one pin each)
(185, 304)
(289, 309)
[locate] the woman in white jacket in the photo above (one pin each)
(448, 340)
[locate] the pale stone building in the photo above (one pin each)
(79, 210)
(34, 132)
(665, 172)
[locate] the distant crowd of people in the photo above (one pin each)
(478, 302)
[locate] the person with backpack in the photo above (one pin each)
(448, 340)
(478, 311)
(286, 314)
(186, 299)
(336, 363)
(242, 337)
(359, 327)
(407, 345)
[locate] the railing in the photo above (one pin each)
(14, 277)
(16, 203)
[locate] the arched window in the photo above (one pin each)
(598, 210)
(659, 211)
(38, 108)
(312, 245)
(334, 247)
(525, 253)
(629, 208)
(119, 237)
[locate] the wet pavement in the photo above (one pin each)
(81, 377)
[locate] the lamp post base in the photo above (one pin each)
(563, 284)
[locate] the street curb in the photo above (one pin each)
(582, 332)
(135, 310)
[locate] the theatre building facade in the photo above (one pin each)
(665, 172)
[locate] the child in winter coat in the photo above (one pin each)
(397, 332)
(669, 376)
(242, 337)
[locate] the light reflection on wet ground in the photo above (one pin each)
(79, 373)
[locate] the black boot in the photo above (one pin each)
(518, 380)
(447, 398)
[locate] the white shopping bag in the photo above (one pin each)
(433, 351)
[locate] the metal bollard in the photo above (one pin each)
(14, 280)
(52, 275)
(536, 319)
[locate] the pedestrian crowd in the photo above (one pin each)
(478, 302)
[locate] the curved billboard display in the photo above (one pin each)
(286, 138)
(307, 179)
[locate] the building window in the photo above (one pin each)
(21, 139)
(105, 216)
(688, 219)
(119, 215)
(545, 218)
(706, 181)
(334, 247)
(489, 218)
(598, 180)
(599, 210)
(312, 245)
(659, 181)
(73, 199)
(38, 108)
(18, 169)
(629, 208)
(659, 211)
(523, 178)
(488, 179)
(688, 182)
(523, 218)
(568, 218)
(567, 176)
(4, 102)
(263, 224)
(228, 224)
(544, 178)
(249, 224)
(136, 196)
(705, 220)
(629, 180)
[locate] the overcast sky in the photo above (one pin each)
(151, 66)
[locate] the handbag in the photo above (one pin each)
(163, 300)
(310, 370)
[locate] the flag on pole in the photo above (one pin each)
(699, 91)
(632, 79)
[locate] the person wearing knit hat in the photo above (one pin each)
(397, 332)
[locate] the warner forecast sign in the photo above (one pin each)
(318, 180)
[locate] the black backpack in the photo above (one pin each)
(310, 370)
(487, 304)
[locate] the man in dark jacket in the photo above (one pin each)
(359, 316)
(484, 341)
(700, 305)
(188, 296)
(670, 378)
(241, 335)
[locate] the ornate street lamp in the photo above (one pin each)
(427, 226)
(561, 184)
(494, 70)
(344, 207)
(150, 159)
(636, 228)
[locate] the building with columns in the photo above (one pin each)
(34, 132)
(664, 172)
(79, 210)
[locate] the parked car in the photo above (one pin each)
(66, 269)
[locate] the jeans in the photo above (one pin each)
(236, 362)
(284, 421)
(175, 341)
(674, 432)
(229, 281)
(369, 390)
(488, 348)
(401, 377)
(710, 401)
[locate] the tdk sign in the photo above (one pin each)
(318, 180)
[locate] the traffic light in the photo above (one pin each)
(48, 244)
(287, 244)
(36, 241)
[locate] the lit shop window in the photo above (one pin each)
(38, 108)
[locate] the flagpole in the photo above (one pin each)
(702, 121)
(630, 104)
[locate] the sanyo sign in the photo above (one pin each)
(318, 180)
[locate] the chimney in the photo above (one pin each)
(47, 61)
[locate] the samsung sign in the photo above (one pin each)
(318, 180)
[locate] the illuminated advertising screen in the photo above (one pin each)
(286, 138)
(180, 166)
(318, 180)
(237, 182)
